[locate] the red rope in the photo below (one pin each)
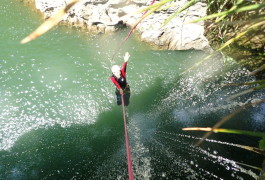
(128, 151)
(129, 34)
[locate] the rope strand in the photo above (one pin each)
(129, 34)
(128, 151)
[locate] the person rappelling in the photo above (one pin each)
(119, 79)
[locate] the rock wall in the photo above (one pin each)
(106, 16)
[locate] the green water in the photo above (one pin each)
(59, 118)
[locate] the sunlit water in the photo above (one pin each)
(59, 119)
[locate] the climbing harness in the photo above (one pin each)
(128, 151)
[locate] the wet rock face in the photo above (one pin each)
(103, 16)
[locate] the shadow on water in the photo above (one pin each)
(97, 151)
(172, 152)
(78, 151)
(56, 152)
(148, 98)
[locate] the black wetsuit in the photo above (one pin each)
(121, 83)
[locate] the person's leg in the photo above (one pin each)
(127, 99)
(118, 96)
(126, 96)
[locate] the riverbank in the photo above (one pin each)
(105, 17)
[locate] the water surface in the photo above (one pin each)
(59, 118)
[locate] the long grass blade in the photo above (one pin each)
(254, 167)
(49, 23)
(226, 118)
(229, 11)
(146, 9)
(159, 4)
(242, 9)
(226, 44)
(241, 93)
(241, 34)
(146, 13)
(186, 6)
(250, 7)
(233, 131)
(245, 83)
(247, 91)
(199, 63)
(261, 68)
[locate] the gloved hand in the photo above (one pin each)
(126, 57)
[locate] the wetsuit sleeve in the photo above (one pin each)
(115, 82)
(123, 69)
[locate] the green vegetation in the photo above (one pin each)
(238, 30)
